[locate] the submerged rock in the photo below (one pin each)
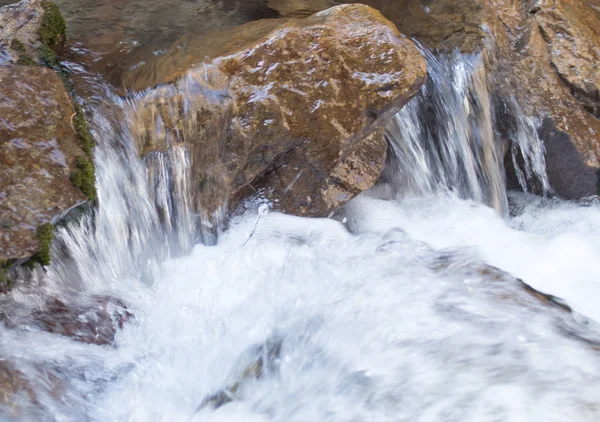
(14, 388)
(291, 109)
(263, 361)
(94, 322)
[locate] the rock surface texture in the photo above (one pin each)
(38, 150)
(291, 110)
(545, 53)
(46, 163)
(28, 30)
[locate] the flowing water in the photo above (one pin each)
(405, 306)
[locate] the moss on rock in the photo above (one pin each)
(45, 234)
(84, 177)
(25, 58)
(53, 26)
(83, 132)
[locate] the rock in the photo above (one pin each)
(28, 390)
(288, 109)
(40, 157)
(28, 31)
(13, 384)
(46, 163)
(263, 362)
(94, 321)
(543, 52)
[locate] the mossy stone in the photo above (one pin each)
(24, 58)
(45, 234)
(53, 26)
(84, 177)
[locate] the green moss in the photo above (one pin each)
(18, 46)
(24, 58)
(53, 25)
(84, 177)
(45, 234)
(83, 132)
(48, 57)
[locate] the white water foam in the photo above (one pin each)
(396, 322)
(393, 316)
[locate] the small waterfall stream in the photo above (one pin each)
(447, 138)
(390, 312)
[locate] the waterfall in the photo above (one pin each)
(143, 215)
(404, 308)
(447, 138)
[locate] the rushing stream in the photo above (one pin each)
(405, 306)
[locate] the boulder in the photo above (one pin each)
(93, 321)
(28, 32)
(544, 53)
(46, 163)
(291, 110)
(39, 153)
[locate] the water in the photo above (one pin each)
(390, 311)
(447, 138)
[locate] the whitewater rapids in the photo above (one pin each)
(389, 314)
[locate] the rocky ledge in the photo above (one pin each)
(288, 109)
(543, 53)
(46, 163)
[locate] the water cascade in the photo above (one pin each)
(405, 308)
(447, 138)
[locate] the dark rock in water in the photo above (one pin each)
(544, 53)
(26, 389)
(95, 321)
(13, 385)
(291, 109)
(264, 361)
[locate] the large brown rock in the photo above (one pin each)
(545, 53)
(38, 152)
(288, 109)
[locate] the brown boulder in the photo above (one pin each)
(544, 52)
(287, 109)
(38, 153)
(96, 321)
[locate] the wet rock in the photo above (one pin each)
(95, 321)
(46, 163)
(288, 109)
(543, 52)
(27, 389)
(13, 387)
(39, 153)
(264, 361)
(28, 31)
